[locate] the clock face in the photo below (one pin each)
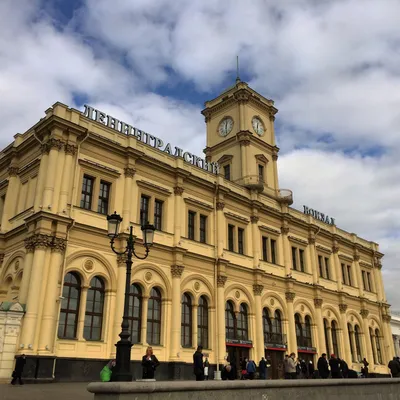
(225, 126)
(258, 126)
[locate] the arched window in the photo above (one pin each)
(307, 332)
(202, 322)
(378, 346)
(186, 321)
(70, 306)
(135, 313)
(351, 334)
(154, 317)
(94, 310)
(358, 342)
(335, 342)
(277, 327)
(326, 332)
(299, 329)
(230, 321)
(267, 325)
(242, 323)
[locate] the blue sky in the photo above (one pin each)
(332, 68)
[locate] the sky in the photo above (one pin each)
(332, 68)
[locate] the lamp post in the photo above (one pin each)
(122, 372)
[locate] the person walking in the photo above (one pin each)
(364, 370)
(19, 368)
(149, 364)
(344, 368)
(243, 367)
(286, 367)
(251, 369)
(310, 370)
(206, 369)
(394, 367)
(335, 367)
(292, 366)
(323, 368)
(198, 365)
(262, 367)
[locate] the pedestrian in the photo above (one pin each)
(394, 367)
(323, 368)
(149, 364)
(344, 368)
(198, 365)
(262, 367)
(335, 367)
(291, 366)
(303, 370)
(364, 370)
(251, 369)
(106, 372)
(286, 367)
(310, 369)
(19, 368)
(206, 368)
(243, 366)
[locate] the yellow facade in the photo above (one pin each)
(220, 240)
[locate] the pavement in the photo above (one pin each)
(49, 391)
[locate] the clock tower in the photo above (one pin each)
(241, 138)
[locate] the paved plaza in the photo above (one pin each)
(50, 391)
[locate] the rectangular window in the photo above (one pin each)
(321, 271)
(203, 229)
(227, 172)
(301, 254)
(344, 280)
(104, 197)
(265, 248)
(191, 221)
(369, 281)
(87, 192)
(294, 259)
(364, 280)
(260, 173)
(158, 208)
(349, 275)
(241, 241)
(327, 272)
(231, 238)
(273, 251)
(144, 210)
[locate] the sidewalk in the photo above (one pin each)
(49, 391)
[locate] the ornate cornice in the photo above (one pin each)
(29, 246)
(70, 149)
(254, 219)
(298, 240)
(54, 143)
(13, 171)
(129, 172)
(386, 318)
(242, 96)
(221, 280)
(178, 190)
(220, 205)
(257, 289)
(318, 303)
(177, 270)
(343, 307)
(59, 245)
(41, 241)
(364, 313)
(290, 296)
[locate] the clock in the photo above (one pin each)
(258, 126)
(225, 126)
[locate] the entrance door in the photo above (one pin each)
(237, 355)
(275, 359)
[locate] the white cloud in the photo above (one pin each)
(332, 68)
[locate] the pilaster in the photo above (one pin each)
(292, 340)
(11, 197)
(368, 345)
(178, 191)
(221, 280)
(347, 353)
(127, 203)
(176, 273)
(259, 336)
(70, 152)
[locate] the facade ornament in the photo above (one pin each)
(70, 149)
(178, 190)
(311, 240)
(290, 296)
(41, 241)
(177, 270)
(54, 143)
(386, 318)
(342, 307)
(59, 245)
(335, 248)
(129, 172)
(1, 259)
(285, 230)
(44, 148)
(13, 171)
(220, 205)
(121, 260)
(257, 289)
(207, 115)
(271, 117)
(244, 142)
(356, 257)
(254, 219)
(221, 280)
(377, 262)
(364, 313)
(242, 96)
(318, 303)
(29, 246)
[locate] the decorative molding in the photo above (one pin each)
(242, 96)
(356, 257)
(364, 313)
(54, 143)
(198, 203)
(41, 241)
(13, 171)
(29, 246)
(345, 257)
(364, 264)
(58, 245)
(236, 217)
(154, 188)
(324, 249)
(226, 158)
(318, 303)
(311, 240)
(285, 230)
(129, 172)
(44, 148)
(121, 260)
(343, 307)
(254, 219)
(220, 205)
(177, 270)
(221, 280)
(257, 289)
(102, 169)
(178, 190)
(386, 318)
(298, 240)
(290, 296)
(1, 259)
(270, 230)
(261, 158)
(70, 149)
(335, 249)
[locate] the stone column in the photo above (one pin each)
(195, 307)
(368, 346)
(259, 334)
(286, 248)
(357, 270)
(55, 145)
(26, 275)
(70, 151)
(313, 259)
(145, 306)
(10, 202)
(221, 229)
(256, 240)
(126, 210)
(82, 312)
(337, 266)
(320, 326)
(274, 162)
(346, 344)
(330, 341)
(377, 266)
(41, 176)
(178, 191)
(292, 340)
(41, 243)
(374, 350)
(49, 318)
(10, 325)
(221, 280)
(119, 301)
(176, 272)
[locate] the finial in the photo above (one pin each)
(237, 69)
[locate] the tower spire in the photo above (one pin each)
(237, 69)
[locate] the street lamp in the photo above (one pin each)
(122, 372)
